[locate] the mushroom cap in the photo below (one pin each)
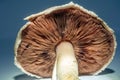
(94, 42)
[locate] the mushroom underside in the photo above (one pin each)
(93, 42)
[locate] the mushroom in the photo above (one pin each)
(64, 42)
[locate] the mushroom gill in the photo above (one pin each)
(92, 40)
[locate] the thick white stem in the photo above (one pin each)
(66, 66)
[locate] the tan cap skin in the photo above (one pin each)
(64, 42)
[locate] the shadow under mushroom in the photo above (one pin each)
(107, 71)
(26, 77)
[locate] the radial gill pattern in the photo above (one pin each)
(93, 42)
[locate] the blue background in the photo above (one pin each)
(12, 13)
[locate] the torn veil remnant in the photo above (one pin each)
(63, 42)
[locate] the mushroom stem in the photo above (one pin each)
(66, 66)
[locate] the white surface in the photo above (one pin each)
(99, 77)
(108, 74)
